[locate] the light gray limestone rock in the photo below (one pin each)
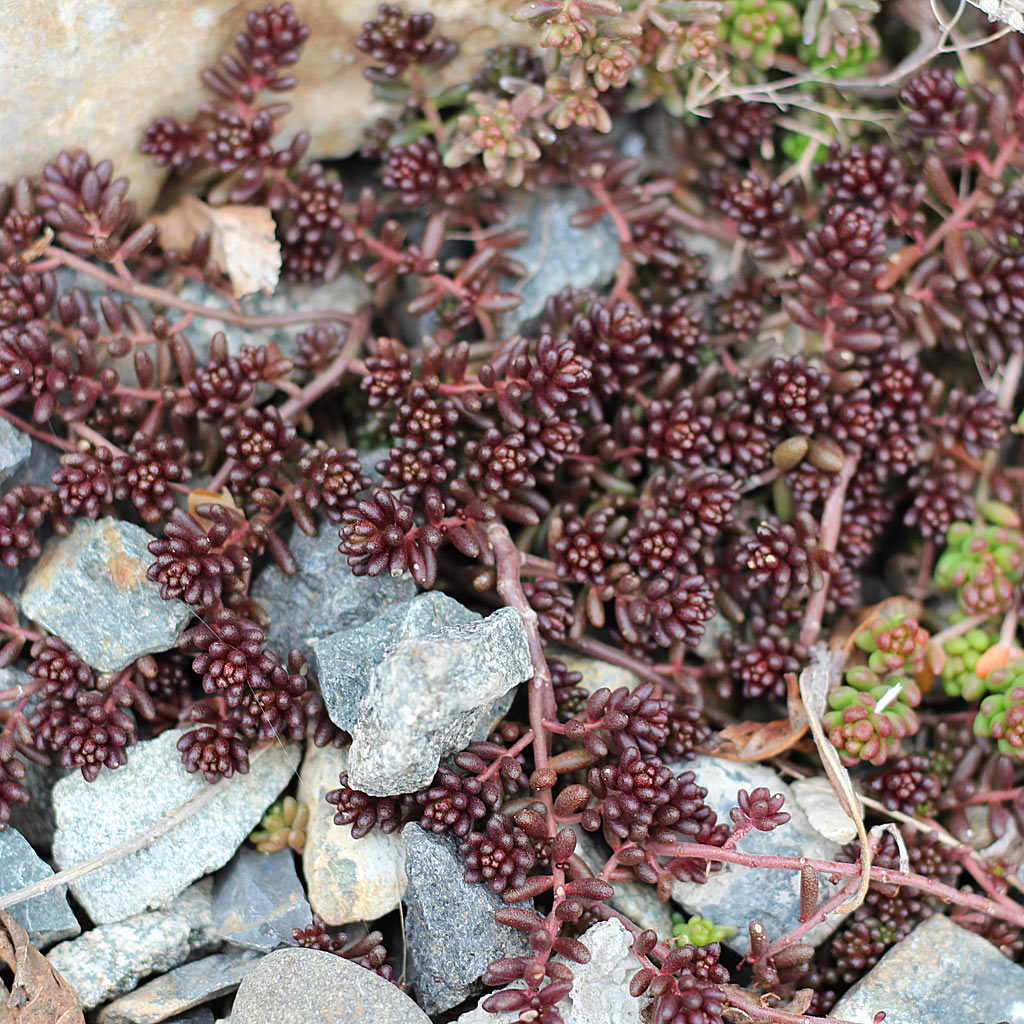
(95, 816)
(112, 959)
(430, 696)
(321, 989)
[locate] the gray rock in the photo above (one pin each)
(321, 989)
(47, 918)
(15, 448)
(322, 596)
(95, 816)
(90, 588)
(200, 1016)
(600, 988)
(112, 959)
(939, 973)
(345, 294)
(347, 879)
(556, 254)
(258, 900)
(343, 661)
(735, 895)
(430, 696)
(450, 924)
(179, 990)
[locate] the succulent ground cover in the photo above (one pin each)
(788, 423)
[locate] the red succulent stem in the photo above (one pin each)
(831, 521)
(40, 435)
(162, 297)
(946, 893)
(624, 273)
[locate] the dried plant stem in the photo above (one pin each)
(946, 893)
(162, 297)
(758, 1011)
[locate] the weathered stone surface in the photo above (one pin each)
(430, 696)
(315, 987)
(735, 895)
(555, 253)
(200, 1016)
(322, 596)
(77, 97)
(179, 990)
(347, 879)
(600, 990)
(345, 294)
(95, 816)
(258, 900)
(90, 588)
(450, 924)
(343, 661)
(112, 959)
(939, 973)
(47, 918)
(15, 448)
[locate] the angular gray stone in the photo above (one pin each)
(90, 588)
(600, 988)
(430, 696)
(555, 253)
(343, 661)
(450, 924)
(939, 973)
(200, 1016)
(735, 894)
(112, 959)
(47, 918)
(179, 990)
(315, 987)
(258, 900)
(95, 816)
(15, 448)
(322, 596)
(347, 879)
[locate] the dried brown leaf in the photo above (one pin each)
(758, 741)
(242, 240)
(39, 995)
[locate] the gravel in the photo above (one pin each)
(95, 816)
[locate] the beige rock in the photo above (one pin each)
(347, 879)
(597, 673)
(93, 75)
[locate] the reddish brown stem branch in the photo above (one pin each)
(946, 893)
(162, 297)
